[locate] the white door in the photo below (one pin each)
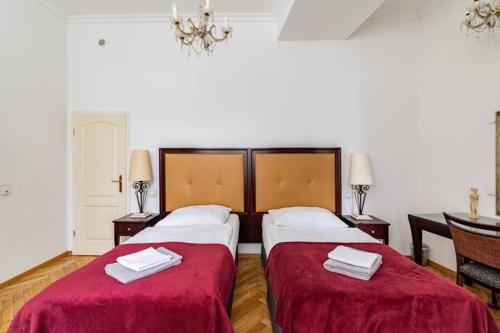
(100, 166)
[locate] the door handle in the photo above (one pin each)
(120, 182)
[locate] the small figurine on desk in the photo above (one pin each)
(474, 202)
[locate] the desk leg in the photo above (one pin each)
(416, 235)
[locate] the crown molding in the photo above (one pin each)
(55, 10)
(164, 18)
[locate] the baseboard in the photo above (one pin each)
(437, 266)
(33, 269)
(249, 248)
(441, 268)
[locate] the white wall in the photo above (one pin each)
(417, 95)
(255, 92)
(459, 94)
(32, 135)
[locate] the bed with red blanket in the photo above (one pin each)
(190, 297)
(400, 297)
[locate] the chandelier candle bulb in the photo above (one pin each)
(174, 11)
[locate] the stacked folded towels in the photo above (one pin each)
(352, 262)
(142, 264)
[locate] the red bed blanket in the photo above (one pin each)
(190, 297)
(400, 297)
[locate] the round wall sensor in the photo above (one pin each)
(102, 42)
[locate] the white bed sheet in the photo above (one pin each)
(273, 235)
(225, 234)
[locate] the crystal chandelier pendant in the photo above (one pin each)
(202, 37)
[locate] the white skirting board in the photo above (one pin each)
(249, 248)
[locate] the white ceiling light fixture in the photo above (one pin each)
(202, 37)
(481, 17)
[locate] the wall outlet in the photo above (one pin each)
(5, 190)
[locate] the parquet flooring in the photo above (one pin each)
(250, 313)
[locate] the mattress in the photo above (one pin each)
(225, 234)
(273, 235)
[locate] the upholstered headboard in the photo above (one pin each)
(296, 177)
(203, 176)
(250, 181)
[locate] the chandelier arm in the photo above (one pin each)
(187, 42)
(212, 27)
(191, 24)
(218, 40)
(182, 31)
(477, 26)
(482, 16)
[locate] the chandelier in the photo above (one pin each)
(481, 17)
(202, 37)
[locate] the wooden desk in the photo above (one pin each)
(436, 224)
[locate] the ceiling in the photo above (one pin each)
(117, 7)
(112, 7)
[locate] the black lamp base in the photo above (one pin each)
(141, 192)
(359, 193)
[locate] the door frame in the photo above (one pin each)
(70, 176)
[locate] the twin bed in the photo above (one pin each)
(304, 297)
(196, 296)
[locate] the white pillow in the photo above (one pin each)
(197, 215)
(305, 217)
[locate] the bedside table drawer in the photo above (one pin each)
(129, 229)
(376, 231)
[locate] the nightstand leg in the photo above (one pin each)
(117, 240)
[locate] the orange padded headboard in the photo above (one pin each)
(296, 177)
(201, 177)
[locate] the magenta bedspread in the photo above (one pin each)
(400, 297)
(190, 297)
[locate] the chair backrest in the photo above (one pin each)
(470, 242)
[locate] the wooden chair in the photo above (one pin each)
(478, 253)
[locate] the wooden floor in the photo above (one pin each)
(250, 313)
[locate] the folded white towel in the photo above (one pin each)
(144, 259)
(125, 275)
(352, 271)
(354, 257)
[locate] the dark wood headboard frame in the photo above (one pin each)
(256, 217)
(250, 220)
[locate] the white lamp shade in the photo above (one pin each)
(140, 166)
(361, 171)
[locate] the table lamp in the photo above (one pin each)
(360, 179)
(141, 174)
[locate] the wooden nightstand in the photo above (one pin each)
(376, 227)
(127, 226)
